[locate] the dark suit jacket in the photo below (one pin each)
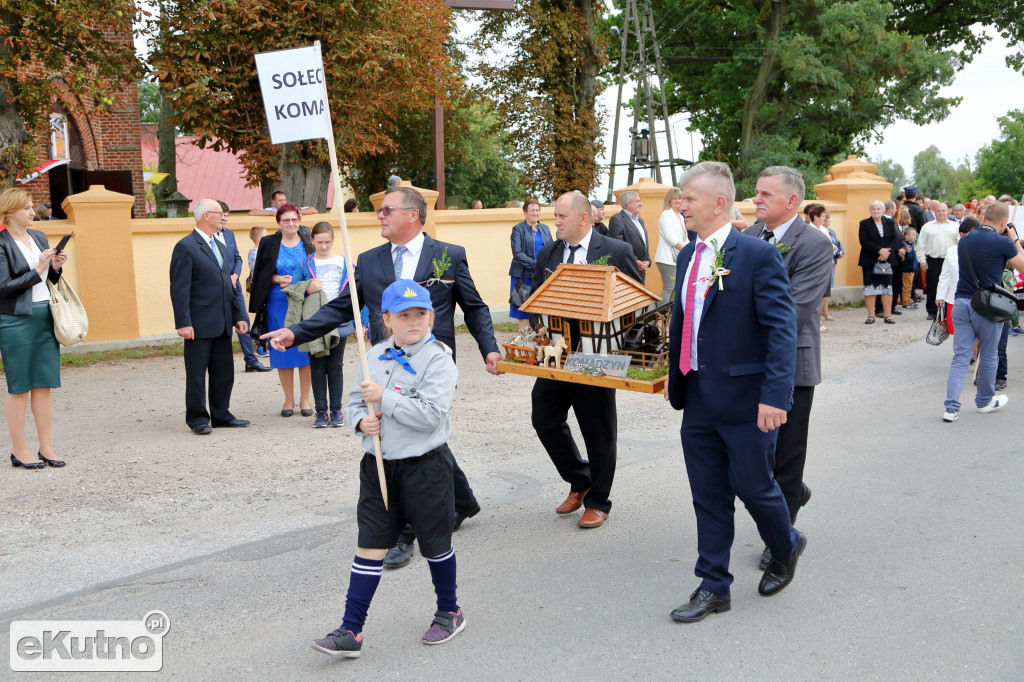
(601, 229)
(16, 277)
(917, 215)
(523, 257)
(201, 292)
(871, 243)
(809, 266)
(554, 253)
(620, 226)
(263, 269)
(746, 344)
(375, 271)
(233, 255)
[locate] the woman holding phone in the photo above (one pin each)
(28, 347)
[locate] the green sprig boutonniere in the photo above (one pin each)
(718, 271)
(439, 267)
(603, 260)
(783, 248)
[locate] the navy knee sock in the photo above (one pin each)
(442, 572)
(361, 585)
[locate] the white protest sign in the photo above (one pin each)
(294, 94)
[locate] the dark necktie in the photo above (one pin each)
(572, 253)
(768, 235)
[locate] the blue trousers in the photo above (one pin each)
(725, 460)
(969, 326)
(244, 340)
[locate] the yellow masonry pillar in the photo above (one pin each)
(652, 197)
(106, 261)
(855, 185)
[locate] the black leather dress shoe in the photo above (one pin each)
(766, 555)
(15, 462)
(202, 430)
(463, 514)
(233, 424)
(256, 367)
(55, 463)
(700, 605)
(779, 574)
(398, 556)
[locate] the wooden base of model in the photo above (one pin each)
(621, 383)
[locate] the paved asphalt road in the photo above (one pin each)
(913, 568)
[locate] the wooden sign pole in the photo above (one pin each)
(349, 265)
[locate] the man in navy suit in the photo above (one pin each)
(444, 270)
(590, 480)
(628, 226)
(205, 309)
(732, 354)
(227, 238)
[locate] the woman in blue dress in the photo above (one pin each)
(280, 260)
(528, 237)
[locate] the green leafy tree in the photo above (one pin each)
(546, 88)
(477, 152)
(45, 44)
(149, 101)
(381, 58)
(798, 82)
(1001, 163)
(936, 177)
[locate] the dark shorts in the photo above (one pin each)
(419, 493)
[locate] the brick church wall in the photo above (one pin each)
(111, 139)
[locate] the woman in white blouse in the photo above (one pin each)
(29, 349)
(672, 239)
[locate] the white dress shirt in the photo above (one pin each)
(580, 257)
(411, 257)
(936, 238)
(639, 228)
(779, 232)
(707, 260)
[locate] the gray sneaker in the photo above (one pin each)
(342, 643)
(445, 626)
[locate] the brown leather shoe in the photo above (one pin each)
(592, 518)
(573, 502)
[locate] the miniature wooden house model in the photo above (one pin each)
(599, 299)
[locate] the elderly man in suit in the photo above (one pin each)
(808, 260)
(732, 354)
(410, 254)
(628, 226)
(205, 309)
(590, 482)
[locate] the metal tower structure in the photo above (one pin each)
(644, 146)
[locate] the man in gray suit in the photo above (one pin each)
(808, 261)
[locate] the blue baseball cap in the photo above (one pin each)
(404, 294)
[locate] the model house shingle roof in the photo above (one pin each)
(599, 293)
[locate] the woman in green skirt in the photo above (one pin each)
(28, 347)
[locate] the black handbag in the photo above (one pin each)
(882, 268)
(258, 328)
(993, 302)
(520, 292)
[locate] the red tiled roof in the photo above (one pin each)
(205, 173)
